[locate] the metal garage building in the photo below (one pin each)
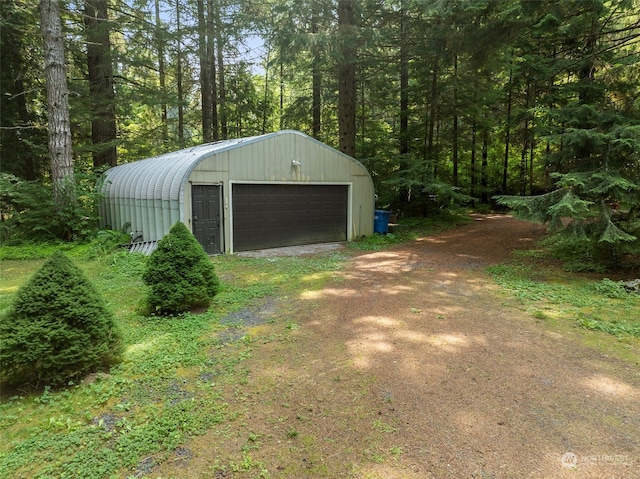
(279, 189)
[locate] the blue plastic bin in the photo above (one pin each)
(381, 221)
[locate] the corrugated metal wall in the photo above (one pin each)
(155, 193)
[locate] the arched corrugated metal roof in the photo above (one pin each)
(161, 177)
(148, 195)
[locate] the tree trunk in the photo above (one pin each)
(474, 141)
(532, 149)
(281, 94)
(222, 95)
(23, 114)
(587, 93)
(454, 146)
(404, 85)
(100, 68)
(436, 156)
(265, 97)
(403, 144)
(523, 160)
(316, 80)
(525, 142)
(222, 90)
(179, 80)
(59, 124)
(474, 178)
(432, 109)
(363, 110)
(346, 79)
(484, 178)
(211, 61)
(205, 75)
(507, 135)
(161, 75)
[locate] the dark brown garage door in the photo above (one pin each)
(270, 216)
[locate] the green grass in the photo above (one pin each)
(168, 387)
(548, 292)
(42, 251)
(409, 229)
(166, 390)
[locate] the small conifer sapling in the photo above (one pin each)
(179, 274)
(58, 329)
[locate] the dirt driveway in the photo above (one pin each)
(413, 365)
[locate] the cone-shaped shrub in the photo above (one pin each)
(57, 330)
(179, 273)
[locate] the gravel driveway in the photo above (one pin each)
(414, 365)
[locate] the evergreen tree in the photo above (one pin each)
(347, 76)
(100, 75)
(23, 150)
(417, 90)
(593, 133)
(57, 330)
(179, 274)
(59, 123)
